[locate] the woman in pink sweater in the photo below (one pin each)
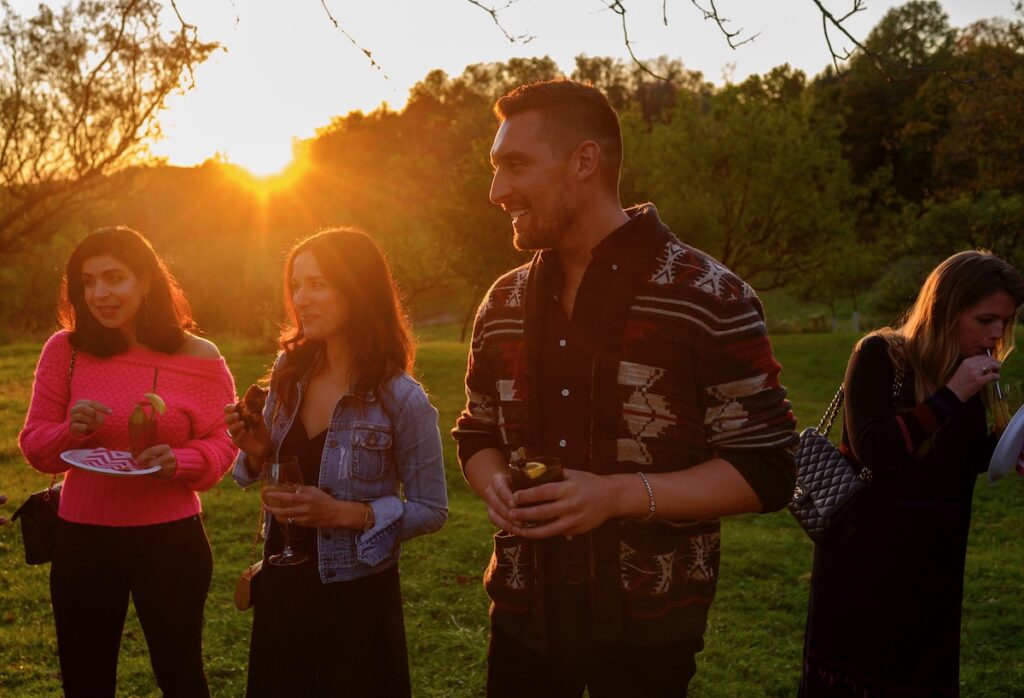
(125, 326)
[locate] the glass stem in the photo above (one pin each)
(287, 552)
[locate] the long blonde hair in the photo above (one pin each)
(926, 339)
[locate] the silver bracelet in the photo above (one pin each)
(650, 496)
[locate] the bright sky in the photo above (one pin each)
(286, 70)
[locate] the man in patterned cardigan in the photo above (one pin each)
(644, 364)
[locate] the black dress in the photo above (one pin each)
(312, 639)
(886, 591)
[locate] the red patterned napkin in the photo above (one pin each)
(111, 460)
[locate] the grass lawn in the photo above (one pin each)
(756, 625)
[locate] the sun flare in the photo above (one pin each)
(263, 159)
(274, 181)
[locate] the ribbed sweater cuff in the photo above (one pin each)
(194, 469)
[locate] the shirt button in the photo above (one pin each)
(561, 342)
(615, 267)
(561, 443)
(565, 392)
(333, 443)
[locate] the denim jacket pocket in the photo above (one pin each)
(371, 454)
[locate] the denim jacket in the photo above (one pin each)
(384, 450)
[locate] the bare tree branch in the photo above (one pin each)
(493, 12)
(618, 8)
(827, 19)
(366, 52)
(713, 15)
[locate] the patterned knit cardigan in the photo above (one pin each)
(684, 372)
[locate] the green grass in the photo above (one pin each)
(756, 625)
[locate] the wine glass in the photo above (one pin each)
(282, 475)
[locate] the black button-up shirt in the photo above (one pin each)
(568, 349)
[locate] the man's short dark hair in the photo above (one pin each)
(572, 112)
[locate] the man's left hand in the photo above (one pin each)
(581, 502)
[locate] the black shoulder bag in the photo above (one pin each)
(825, 480)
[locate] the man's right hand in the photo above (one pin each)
(488, 475)
(500, 501)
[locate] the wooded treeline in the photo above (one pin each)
(843, 188)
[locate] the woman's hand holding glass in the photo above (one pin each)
(311, 507)
(973, 374)
(255, 444)
(86, 416)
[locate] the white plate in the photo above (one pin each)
(106, 462)
(1004, 458)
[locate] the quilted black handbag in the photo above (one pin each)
(38, 517)
(826, 482)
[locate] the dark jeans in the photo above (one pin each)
(574, 661)
(164, 568)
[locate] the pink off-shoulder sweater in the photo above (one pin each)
(195, 390)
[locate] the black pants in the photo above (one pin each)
(164, 568)
(574, 661)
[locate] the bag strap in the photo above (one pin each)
(829, 418)
(71, 369)
(71, 374)
(256, 538)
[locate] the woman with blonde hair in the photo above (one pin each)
(887, 586)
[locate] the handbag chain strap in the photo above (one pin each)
(71, 374)
(256, 538)
(829, 418)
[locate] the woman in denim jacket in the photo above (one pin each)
(367, 441)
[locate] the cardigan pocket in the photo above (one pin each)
(510, 577)
(664, 564)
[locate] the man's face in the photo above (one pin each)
(531, 183)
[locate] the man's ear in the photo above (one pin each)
(586, 160)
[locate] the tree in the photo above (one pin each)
(80, 90)
(750, 174)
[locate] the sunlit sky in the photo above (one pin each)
(286, 70)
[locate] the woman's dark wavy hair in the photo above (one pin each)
(162, 319)
(377, 328)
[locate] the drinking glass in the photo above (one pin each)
(282, 475)
(1004, 399)
(534, 471)
(142, 427)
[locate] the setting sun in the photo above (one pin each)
(261, 158)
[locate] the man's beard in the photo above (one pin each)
(547, 231)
